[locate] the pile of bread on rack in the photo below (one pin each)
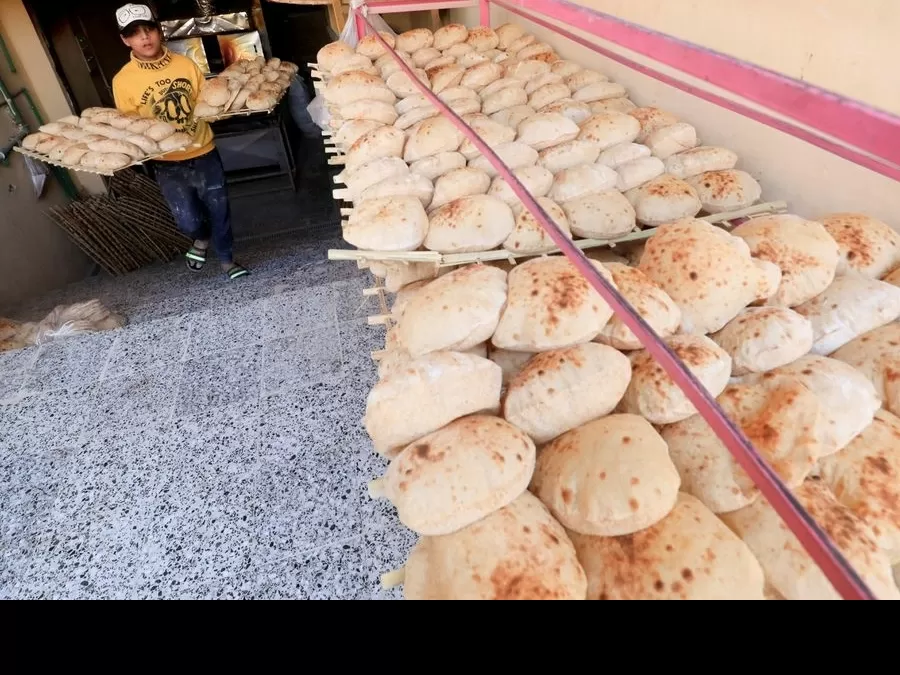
(247, 85)
(104, 140)
(599, 165)
(537, 449)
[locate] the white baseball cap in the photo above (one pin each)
(131, 13)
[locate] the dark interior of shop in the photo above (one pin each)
(267, 158)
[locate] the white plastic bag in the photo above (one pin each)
(318, 112)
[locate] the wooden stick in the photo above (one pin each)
(380, 319)
(341, 195)
(371, 292)
(393, 579)
(452, 259)
(346, 212)
(378, 355)
(331, 150)
(337, 161)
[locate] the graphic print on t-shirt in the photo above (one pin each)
(171, 101)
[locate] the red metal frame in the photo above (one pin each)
(395, 6)
(873, 136)
(815, 541)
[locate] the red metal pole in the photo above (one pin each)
(485, 12)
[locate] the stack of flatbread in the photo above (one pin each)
(105, 140)
(247, 85)
(535, 446)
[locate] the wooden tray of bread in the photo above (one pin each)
(103, 141)
(246, 87)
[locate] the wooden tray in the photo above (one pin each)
(244, 112)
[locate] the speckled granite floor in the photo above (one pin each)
(213, 448)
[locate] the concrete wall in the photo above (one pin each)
(36, 256)
(812, 181)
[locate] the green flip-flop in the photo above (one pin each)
(195, 258)
(237, 272)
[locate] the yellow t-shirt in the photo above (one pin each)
(167, 90)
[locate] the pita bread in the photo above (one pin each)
(599, 91)
(470, 224)
(863, 477)
(560, 390)
(848, 399)
(876, 355)
(402, 84)
(804, 251)
(693, 162)
(545, 130)
(435, 166)
(431, 137)
(689, 555)
(414, 116)
(867, 245)
(621, 154)
(491, 132)
(445, 77)
(482, 38)
(584, 78)
(354, 86)
(651, 120)
(639, 171)
(581, 181)
(851, 306)
(387, 224)
(460, 474)
(431, 392)
(499, 85)
(535, 50)
(398, 275)
(653, 394)
(383, 141)
(507, 34)
(568, 155)
(473, 58)
(532, 86)
(459, 183)
(729, 190)
(550, 305)
(370, 45)
(514, 155)
(353, 130)
(513, 117)
(665, 142)
(369, 109)
(520, 43)
(548, 95)
(609, 129)
(449, 35)
(529, 236)
(413, 40)
(608, 478)
(536, 179)
(789, 568)
(781, 418)
(434, 64)
(621, 105)
(648, 299)
(526, 69)
(505, 98)
(453, 94)
(352, 62)
(482, 74)
(517, 553)
(565, 68)
(362, 178)
(331, 53)
(575, 111)
(707, 271)
(455, 312)
(600, 215)
(760, 339)
(410, 185)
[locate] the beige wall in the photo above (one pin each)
(812, 181)
(35, 254)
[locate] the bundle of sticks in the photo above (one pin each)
(129, 227)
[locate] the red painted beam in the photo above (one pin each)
(874, 132)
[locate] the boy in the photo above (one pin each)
(163, 85)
